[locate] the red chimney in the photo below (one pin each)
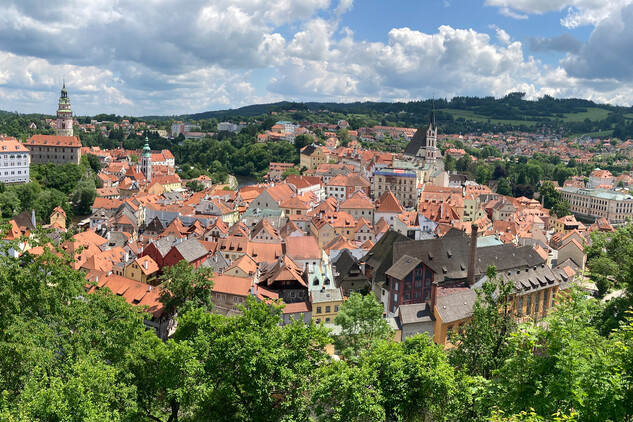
(472, 258)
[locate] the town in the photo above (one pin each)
(420, 230)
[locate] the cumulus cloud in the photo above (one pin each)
(607, 53)
(579, 12)
(126, 57)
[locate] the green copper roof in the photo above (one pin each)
(146, 151)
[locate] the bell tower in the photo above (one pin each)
(431, 139)
(146, 161)
(64, 115)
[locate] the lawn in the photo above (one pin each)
(471, 115)
(593, 113)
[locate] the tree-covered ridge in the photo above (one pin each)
(68, 355)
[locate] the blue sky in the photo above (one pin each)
(163, 57)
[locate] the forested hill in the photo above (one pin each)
(511, 107)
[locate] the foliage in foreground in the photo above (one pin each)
(70, 356)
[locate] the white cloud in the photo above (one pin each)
(129, 58)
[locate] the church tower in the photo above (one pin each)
(64, 115)
(146, 161)
(431, 140)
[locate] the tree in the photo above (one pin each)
(84, 196)
(184, 285)
(362, 324)
(565, 366)
(450, 164)
(93, 162)
(482, 347)
(551, 196)
(483, 174)
(415, 379)
(47, 201)
(9, 204)
(288, 172)
(195, 185)
(503, 187)
(251, 367)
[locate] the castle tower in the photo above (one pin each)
(431, 139)
(146, 161)
(64, 115)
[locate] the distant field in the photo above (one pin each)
(593, 114)
(471, 115)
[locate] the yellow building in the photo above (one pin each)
(451, 313)
(58, 217)
(143, 269)
(311, 156)
(326, 304)
(567, 224)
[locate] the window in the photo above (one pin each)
(327, 319)
(328, 309)
(449, 333)
(528, 305)
(545, 299)
(335, 308)
(520, 306)
(536, 303)
(318, 320)
(318, 310)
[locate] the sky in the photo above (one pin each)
(169, 57)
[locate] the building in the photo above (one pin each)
(64, 115)
(54, 149)
(598, 203)
(145, 166)
(15, 159)
(326, 304)
(311, 156)
(401, 182)
(423, 145)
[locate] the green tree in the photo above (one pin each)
(564, 365)
(450, 164)
(84, 196)
(362, 324)
(482, 347)
(288, 172)
(182, 284)
(551, 196)
(9, 203)
(254, 369)
(503, 187)
(93, 162)
(416, 380)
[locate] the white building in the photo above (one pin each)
(597, 203)
(230, 127)
(15, 159)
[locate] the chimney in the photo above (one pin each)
(145, 264)
(472, 257)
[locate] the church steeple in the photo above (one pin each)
(431, 138)
(146, 161)
(64, 114)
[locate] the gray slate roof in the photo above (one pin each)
(418, 141)
(402, 267)
(448, 257)
(415, 313)
(191, 249)
(380, 257)
(456, 306)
